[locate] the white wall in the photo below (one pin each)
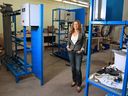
(48, 6)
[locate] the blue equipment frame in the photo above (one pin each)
(110, 91)
(18, 67)
(38, 48)
(79, 15)
(22, 68)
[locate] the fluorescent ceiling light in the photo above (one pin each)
(83, 2)
(73, 0)
(58, 0)
(82, 5)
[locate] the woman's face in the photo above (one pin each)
(76, 25)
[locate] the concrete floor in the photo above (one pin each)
(57, 78)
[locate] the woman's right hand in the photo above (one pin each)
(69, 49)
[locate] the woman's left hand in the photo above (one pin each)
(80, 51)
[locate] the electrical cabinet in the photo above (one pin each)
(70, 16)
(30, 15)
(64, 15)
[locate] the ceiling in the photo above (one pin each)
(80, 0)
(83, 0)
(76, 2)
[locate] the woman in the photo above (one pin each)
(75, 47)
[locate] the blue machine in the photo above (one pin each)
(106, 10)
(21, 67)
(113, 21)
(78, 14)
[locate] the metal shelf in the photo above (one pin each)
(18, 71)
(18, 66)
(109, 22)
(111, 91)
(60, 53)
(79, 15)
(105, 88)
(61, 33)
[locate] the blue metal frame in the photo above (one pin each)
(38, 48)
(111, 92)
(108, 22)
(80, 15)
(25, 49)
(89, 51)
(124, 90)
(21, 67)
(58, 53)
(122, 36)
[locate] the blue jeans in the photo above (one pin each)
(75, 62)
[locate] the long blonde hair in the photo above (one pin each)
(72, 27)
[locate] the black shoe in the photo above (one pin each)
(79, 89)
(73, 84)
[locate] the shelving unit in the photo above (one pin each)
(110, 91)
(17, 65)
(48, 36)
(18, 36)
(59, 47)
(21, 65)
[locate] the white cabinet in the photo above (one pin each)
(30, 15)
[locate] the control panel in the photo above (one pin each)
(30, 15)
